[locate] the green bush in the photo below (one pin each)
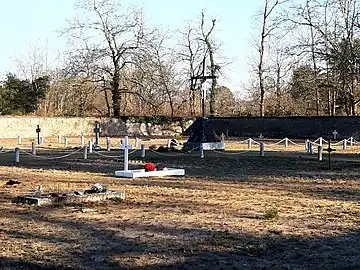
(271, 213)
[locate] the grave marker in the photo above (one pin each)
(97, 131)
(142, 173)
(126, 146)
(335, 133)
(329, 150)
(38, 130)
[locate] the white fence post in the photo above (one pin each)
(33, 148)
(320, 153)
(85, 152)
(201, 150)
(143, 150)
(249, 143)
(311, 148)
(90, 146)
(344, 144)
(108, 144)
(17, 155)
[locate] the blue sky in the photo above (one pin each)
(29, 22)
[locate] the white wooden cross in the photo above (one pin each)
(335, 133)
(261, 136)
(126, 146)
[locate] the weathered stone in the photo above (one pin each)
(47, 199)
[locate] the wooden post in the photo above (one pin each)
(17, 155)
(351, 141)
(19, 139)
(59, 139)
(262, 149)
(286, 142)
(307, 146)
(137, 141)
(82, 140)
(66, 142)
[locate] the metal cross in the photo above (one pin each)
(38, 130)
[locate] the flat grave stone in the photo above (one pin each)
(65, 198)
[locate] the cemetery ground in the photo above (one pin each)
(285, 210)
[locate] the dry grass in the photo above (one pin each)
(213, 218)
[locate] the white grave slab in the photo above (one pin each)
(126, 173)
(142, 173)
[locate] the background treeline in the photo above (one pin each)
(306, 61)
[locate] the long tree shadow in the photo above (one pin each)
(133, 245)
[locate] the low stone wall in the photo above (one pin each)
(11, 127)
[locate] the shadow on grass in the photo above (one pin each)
(128, 244)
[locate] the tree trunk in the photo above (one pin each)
(278, 91)
(115, 90)
(213, 82)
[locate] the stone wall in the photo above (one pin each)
(11, 127)
(296, 127)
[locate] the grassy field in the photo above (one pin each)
(231, 211)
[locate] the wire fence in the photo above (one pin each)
(275, 146)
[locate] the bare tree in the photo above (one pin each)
(268, 26)
(192, 53)
(114, 36)
(210, 49)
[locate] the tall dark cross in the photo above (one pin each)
(202, 90)
(97, 131)
(329, 150)
(38, 130)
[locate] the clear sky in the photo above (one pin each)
(26, 23)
